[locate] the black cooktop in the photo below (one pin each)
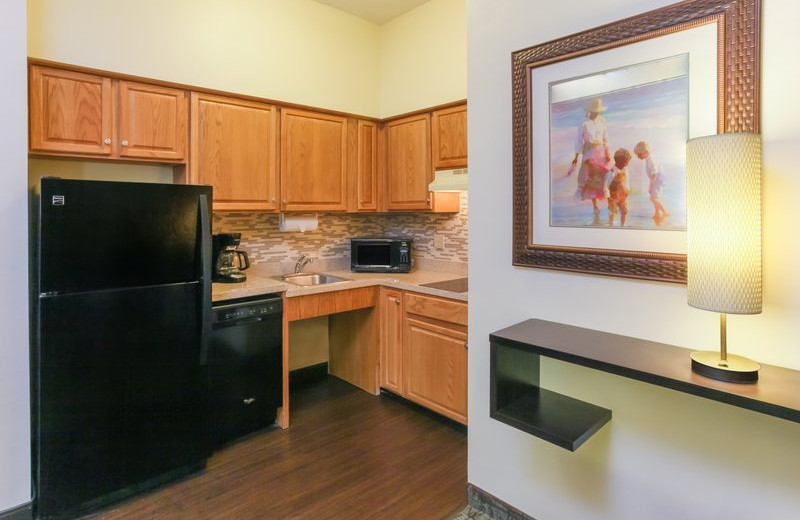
(459, 285)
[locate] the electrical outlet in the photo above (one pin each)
(438, 241)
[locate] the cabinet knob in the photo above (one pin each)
(466, 346)
(427, 199)
(124, 142)
(396, 301)
(249, 400)
(273, 199)
(106, 141)
(285, 201)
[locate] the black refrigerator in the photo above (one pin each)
(121, 280)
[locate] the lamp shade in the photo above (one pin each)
(723, 186)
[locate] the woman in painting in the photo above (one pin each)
(592, 144)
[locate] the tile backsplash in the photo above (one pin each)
(265, 243)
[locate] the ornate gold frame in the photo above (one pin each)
(738, 56)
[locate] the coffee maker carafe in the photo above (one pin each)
(228, 261)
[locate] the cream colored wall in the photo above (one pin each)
(290, 50)
(308, 344)
(296, 51)
(97, 171)
(424, 57)
(665, 455)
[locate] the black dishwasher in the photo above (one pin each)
(245, 366)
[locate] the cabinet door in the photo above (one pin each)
(153, 122)
(70, 112)
(408, 163)
(313, 161)
(234, 149)
(391, 340)
(363, 166)
(449, 137)
(436, 367)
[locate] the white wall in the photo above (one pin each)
(423, 57)
(664, 455)
(290, 50)
(15, 476)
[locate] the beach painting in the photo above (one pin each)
(618, 148)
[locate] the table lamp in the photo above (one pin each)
(723, 191)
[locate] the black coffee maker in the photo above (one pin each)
(228, 262)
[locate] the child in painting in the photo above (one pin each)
(656, 176)
(592, 144)
(618, 187)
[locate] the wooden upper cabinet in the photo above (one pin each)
(408, 163)
(449, 137)
(70, 112)
(234, 149)
(313, 154)
(75, 113)
(153, 121)
(362, 183)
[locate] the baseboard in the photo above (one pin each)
(310, 374)
(23, 512)
(493, 506)
(455, 425)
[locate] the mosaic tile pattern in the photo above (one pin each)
(470, 513)
(490, 506)
(266, 244)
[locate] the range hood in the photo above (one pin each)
(449, 180)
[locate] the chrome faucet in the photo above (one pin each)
(303, 261)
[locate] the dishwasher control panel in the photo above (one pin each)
(244, 308)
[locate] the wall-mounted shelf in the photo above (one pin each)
(517, 399)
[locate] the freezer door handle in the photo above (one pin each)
(205, 293)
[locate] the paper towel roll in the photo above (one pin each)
(301, 223)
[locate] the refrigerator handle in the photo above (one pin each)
(205, 293)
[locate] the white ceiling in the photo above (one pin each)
(376, 11)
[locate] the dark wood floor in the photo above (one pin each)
(348, 455)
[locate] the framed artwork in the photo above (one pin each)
(601, 120)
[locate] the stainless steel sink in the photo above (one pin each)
(311, 278)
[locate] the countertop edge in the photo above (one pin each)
(257, 285)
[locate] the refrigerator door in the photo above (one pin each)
(120, 399)
(122, 319)
(102, 235)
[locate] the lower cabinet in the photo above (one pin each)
(436, 367)
(391, 356)
(424, 351)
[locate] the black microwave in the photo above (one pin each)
(380, 255)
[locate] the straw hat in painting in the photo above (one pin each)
(596, 105)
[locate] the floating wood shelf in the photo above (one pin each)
(517, 399)
(554, 417)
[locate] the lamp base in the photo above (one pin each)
(735, 369)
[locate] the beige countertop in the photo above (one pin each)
(257, 284)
